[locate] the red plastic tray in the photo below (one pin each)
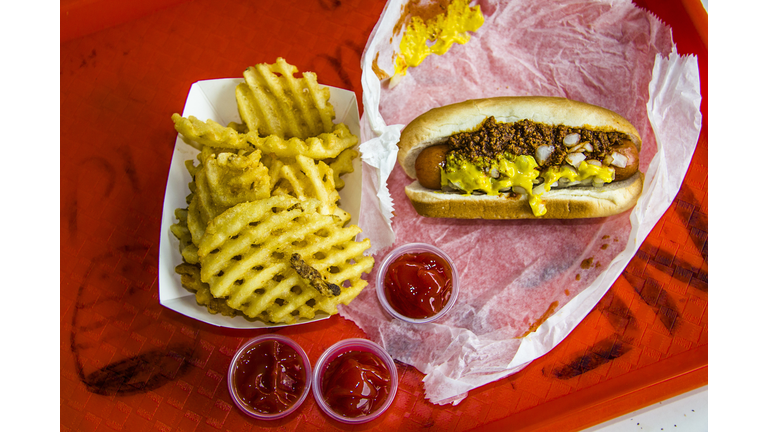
(127, 363)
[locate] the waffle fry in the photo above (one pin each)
(273, 101)
(323, 146)
(225, 179)
(220, 181)
(264, 191)
(209, 133)
(190, 280)
(213, 135)
(233, 179)
(245, 258)
(304, 178)
(341, 165)
(180, 229)
(197, 221)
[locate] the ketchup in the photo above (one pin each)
(269, 377)
(418, 285)
(356, 383)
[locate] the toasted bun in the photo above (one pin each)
(564, 203)
(437, 124)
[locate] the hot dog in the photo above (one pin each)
(520, 158)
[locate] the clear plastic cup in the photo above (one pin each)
(336, 350)
(233, 392)
(415, 248)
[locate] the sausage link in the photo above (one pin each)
(428, 164)
(629, 150)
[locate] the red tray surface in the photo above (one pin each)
(127, 363)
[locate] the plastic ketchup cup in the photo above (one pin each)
(417, 283)
(354, 381)
(269, 377)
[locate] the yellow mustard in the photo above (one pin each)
(436, 35)
(515, 171)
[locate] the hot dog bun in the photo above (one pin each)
(435, 126)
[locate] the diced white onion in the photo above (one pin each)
(571, 139)
(540, 189)
(577, 148)
(595, 162)
(543, 153)
(568, 168)
(608, 160)
(494, 172)
(519, 190)
(575, 159)
(556, 184)
(619, 160)
(596, 182)
(588, 147)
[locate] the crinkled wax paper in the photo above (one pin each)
(524, 284)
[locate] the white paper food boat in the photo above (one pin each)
(215, 99)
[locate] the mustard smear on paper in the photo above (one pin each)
(437, 34)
